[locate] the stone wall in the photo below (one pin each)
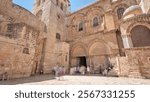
(123, 66)
(21, 36)
(20, 52)
(136, 63)
(139, 61)
(33, 44)
(96, 43)
(116, 5)
(51, 13)
(13, 61)
(62, 54)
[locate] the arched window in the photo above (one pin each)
(95, 22)
(81, 26)
(140, 36)
(120, 12)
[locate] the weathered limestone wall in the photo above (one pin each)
(20, 36)
(20, 14)
(87, 15)
(62, 54)
(129, 24)
(120, 4)
(97, 44)
(19, 54)
(139, 61)
(136, 64)
(13, 61)
(54, 17)
(33, 44)
(123, 66)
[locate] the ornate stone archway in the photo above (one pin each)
(128, 25)
(77, 51)
(98, 54)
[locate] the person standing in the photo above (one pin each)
(88, 70)
(61, 73)
(56, 69)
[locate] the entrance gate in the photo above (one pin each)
(82, 61)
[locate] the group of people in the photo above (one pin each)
(78, 70)
(107, 69)
(58, 71)
(104, 70)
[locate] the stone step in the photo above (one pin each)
(133, 76)
(135, 73)
(134, 70)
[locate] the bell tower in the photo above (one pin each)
(53, 13)
(41, 5)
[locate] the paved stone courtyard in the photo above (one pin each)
(76, 80)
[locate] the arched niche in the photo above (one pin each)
(79, 51)
(99, 54)
(140, 36)
(98, 48)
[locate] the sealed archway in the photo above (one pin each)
(98, 53)
(140, 36)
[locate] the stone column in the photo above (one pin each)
(127, 42)
(130, 41)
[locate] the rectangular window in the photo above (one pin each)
(10, 28)
(95, 22)
(66, 58)
(81, 26)
(58, 37)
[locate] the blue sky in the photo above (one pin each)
(75, 4)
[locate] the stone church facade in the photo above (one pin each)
(113, 32)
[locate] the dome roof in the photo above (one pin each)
(133, 11)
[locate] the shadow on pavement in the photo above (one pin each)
(36, 78)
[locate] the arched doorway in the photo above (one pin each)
(99, 54)
(79, 56)
(140, 36)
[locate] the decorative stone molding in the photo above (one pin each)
(143, 18)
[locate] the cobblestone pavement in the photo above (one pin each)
(76, 80)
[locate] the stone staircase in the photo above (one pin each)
(135, 72)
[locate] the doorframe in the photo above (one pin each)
(79, 59)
